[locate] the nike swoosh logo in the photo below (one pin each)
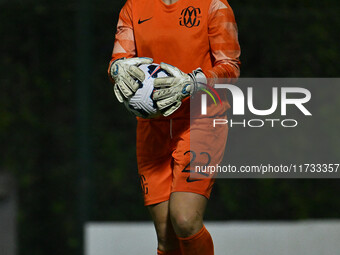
(193, 180)
(142, 21)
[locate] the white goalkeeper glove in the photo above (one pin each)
(126, 74)
(170, 91)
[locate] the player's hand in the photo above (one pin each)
(126, 74)
(170, 91)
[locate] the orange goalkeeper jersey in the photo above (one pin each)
(187, 34)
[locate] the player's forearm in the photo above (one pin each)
(223, 39)
(123, 48)
(124, 45)
(224, 70)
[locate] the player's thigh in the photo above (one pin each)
(153, 139)
(206, 142)
(154, 160)
(198, 145)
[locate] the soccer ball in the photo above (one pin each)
(141, 103)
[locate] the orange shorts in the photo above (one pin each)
(165, 155)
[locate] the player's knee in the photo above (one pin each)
(186, 224)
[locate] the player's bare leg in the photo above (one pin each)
(186, 213)
(167, 239)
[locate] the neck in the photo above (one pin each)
(168, 2)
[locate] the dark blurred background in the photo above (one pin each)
(71, 146)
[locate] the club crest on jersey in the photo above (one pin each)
(190, 17)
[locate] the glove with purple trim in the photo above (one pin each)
(170, 91)
(126, 74)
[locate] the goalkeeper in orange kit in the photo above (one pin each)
(198, 41)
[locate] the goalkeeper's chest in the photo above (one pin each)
(180, 28)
